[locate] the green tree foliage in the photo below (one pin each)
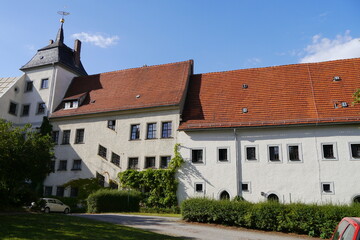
(158, 186)
(85, 187)
(25, 161)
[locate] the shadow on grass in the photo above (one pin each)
(59, 226)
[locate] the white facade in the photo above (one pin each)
(311, 178)
(116, 140)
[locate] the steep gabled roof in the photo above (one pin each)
(282, 95)
(56, 53)
(6, 83)
(136, 88)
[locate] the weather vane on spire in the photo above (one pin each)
(62, 13)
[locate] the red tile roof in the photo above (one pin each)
(160, 85)
(282, 95)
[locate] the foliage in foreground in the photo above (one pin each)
(110, 200)
(25, 160)
(64, 227)
(159, 186)
(313, 220)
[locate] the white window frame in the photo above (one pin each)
(249, 187)
(256, 153)
(204, 156)
(203, 188)
(332, 189)
(300, 152)
(350, 151)
(280, 153)
(334, 149)
(218, 155)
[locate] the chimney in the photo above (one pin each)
(51, 41)
(77, 50)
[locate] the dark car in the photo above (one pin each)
(347, 229)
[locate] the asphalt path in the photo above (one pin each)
(177, 227)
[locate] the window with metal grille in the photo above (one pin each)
(133, 163)
(102, 151)
(150, 162)
(164, 161)
(66, 137)
(135, 132)
(151, 131)
(79, 138)
(111, 124)
(76, 165)
(115, 159)
(166, 130)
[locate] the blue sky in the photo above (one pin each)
(217, 35)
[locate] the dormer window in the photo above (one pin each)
(71, 104)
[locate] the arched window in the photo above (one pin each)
(356, 199)
(273, 197)
(224, 195)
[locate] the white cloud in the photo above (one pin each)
(324, 49)
(252, 62)
(97, 40)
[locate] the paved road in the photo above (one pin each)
(176, 227)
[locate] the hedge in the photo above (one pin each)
(109, 200)
(313, 220)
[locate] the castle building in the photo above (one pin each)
(288, 133)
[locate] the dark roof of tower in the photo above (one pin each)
(56, 53)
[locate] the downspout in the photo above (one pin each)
(237, 163)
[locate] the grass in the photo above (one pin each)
(64, 227)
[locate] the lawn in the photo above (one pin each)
(60, 226)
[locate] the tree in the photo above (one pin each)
(25, 160)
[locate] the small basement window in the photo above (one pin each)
(199, 187)
(327, 188)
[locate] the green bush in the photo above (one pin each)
(108, 200)
(313, 220)
(73, 203)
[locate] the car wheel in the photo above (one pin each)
(47, 210)
(66, 211)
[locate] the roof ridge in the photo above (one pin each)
(279, 66)
(152, 66)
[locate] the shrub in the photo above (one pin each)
(314, 220)
(107, 200)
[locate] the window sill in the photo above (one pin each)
(197, 162)
(61, 170)
(65, 144)
(137, 139)
(151, 138)
(76, 169)
(79, 143)
(167, 138)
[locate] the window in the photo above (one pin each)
(150, 162)
(62, 165)
(25, 110)
(133, 163)
(55, 136)
(250, 153)
(111, 124)
(273, 198)
(245, 187)
(60, 191)
(274, 153)
(74, 192)
(102, 151)
(328, 151)
(327, 188)
(294, 153)
(199, 187)
(13, 108)
(48, 191)
(166, 130)
(41, 108)
(223, 154)
(76, 165)
(115, 159)
(101, 179)
(151, 131)
(52, 166)
(135, 132)
(44, 83)
(355, 150)
(71, 104)
(349, 233)
(340, 229)
(79, 138)
(197, 156)
(66, 137)
(164, 161)
(28, 86)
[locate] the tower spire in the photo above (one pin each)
(60, 34)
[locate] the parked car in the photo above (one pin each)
(347, 229)
(53, 205)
